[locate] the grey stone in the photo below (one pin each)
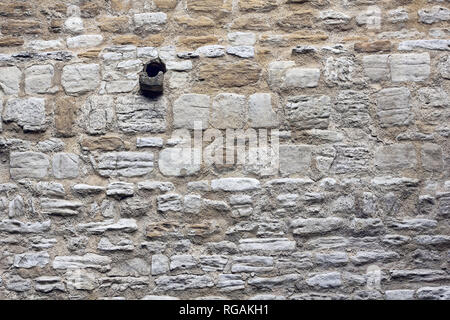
(433, 14)
(212, 263)
(434, 293)
(169, 202)
(28, 165)
(123, 245)
(183, 282)
(339, 71)
(228, 111)
(80, 78)
(10, 81)
(211, 51)
(120, 189)
(89, 260)
(266, 244)
(123, 225)
(235, 184)
(409, 67)
(29, 260)
(252, 264)
(85, 40)
(395, 157)
(18, 284)
(51, 145)
(311, 226)
(419, 275)
(284, 281)
(401, 294)
(434, 44)
(260, 111)
(28, 113)
(242, 38)
(295, 159)
(182, 262)
(15, 226)
(39, 79)
(160, 264)
(150, 21)
(302, 78)
(156, 185)
(308, 112)
(230, 282)
(189, 108)
(48, 284)
(376, 67)
(65, 166)
(98, 114)
(325, 280)
(432, 157)
(85, 189)
(149, 142)
(137, 114)
(393, 107)
(352, 109)
(125, 164)
(242, 51)
(57, 207)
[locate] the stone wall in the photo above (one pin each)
(95, 204)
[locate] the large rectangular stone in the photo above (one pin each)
(139, 114)
(308, 112)
(393, 108)
(126, 164)
(395, 157)
(410, 67)
(28, 165)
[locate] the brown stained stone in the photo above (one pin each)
(376, 46)
(165, 4)
(104, 143)
(90, 54)
(310, 37)
(251, 23)
(9, 41)
(19, 27)
(229, 74)
(65, 115)
(204, 5)
(154, 40)
(56, 25)
(90, 9)
(161, 229)
(113, 24)
(127, 39)
(198, 22)
(297, 20)
(121, 5)
(16, 9)
(195, 42)
(257, 5)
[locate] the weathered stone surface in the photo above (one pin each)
(29, 113)
(295, 159)
(316, 225)
(228, 111)
(393, 108)
(15, 226)
(434, 14)
(235, 184)
(31, 259)
(65, 165)
(28, 165)
(302, 78)
(84, 41)
(410, 67)
(268, 244)
(183, 282)
(124, 225)
(325, 280)
(89, 260)
(260, 111)
(189, 108)
(56, 207)
(80, 78)
(139, 114)
(395, 157)
(125, 164)
(150, 21)
(308, 112)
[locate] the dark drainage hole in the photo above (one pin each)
(151, 79)
(153, 68)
